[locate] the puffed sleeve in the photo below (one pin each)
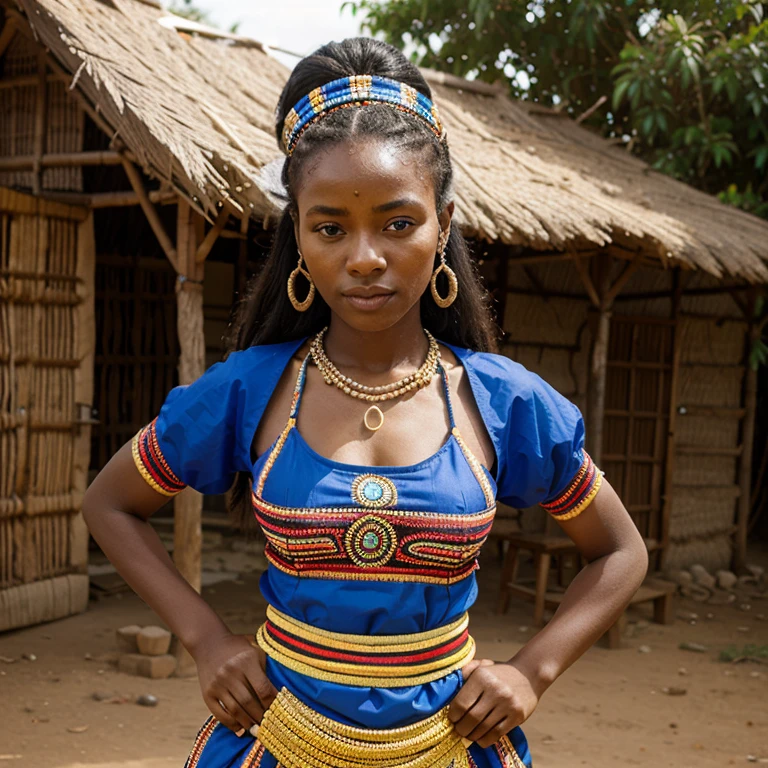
(194, 439)
(544, 460)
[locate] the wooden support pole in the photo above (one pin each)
(40, 115)
(602, 293)
(152, 217)
(24, 81)
(671, 450)
(241, 277)
(85, 341)
(212, 236)
(60, 160)
(586, 280)
(747, 440)
(123, 199)
(108, 199)
(629, 269)
(597, 374)
(188, 505)
(549, 257)
(745, 465)
(598, 364)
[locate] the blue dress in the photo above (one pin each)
(343, 561)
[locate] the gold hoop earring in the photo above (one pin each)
(453, 283)
(300, 306)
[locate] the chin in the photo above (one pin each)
(370, 322)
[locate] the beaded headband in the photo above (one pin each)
(357, 91)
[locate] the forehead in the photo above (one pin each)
(370, 170)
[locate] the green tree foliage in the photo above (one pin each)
(190, 10)
(684, 84)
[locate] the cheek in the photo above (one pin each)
(419, 263)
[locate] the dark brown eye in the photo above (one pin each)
(400, 225)
(330, 230)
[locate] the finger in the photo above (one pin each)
(487, 724)
(219, 712)
(242, 720)
(468, 694)
(246, 698)
(499, 730)
(470, 720)
(471, 666)
(258, 681)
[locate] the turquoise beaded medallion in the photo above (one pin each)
(370, 541)
(374, 491)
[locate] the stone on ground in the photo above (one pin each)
(153, 641)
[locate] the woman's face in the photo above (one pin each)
(368, 228)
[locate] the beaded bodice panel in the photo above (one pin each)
(323, 519)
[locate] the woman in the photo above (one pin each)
(376, 455)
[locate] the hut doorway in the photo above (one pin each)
(46, 383)
(637, 415)
(137, 348)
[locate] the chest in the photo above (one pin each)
(415, 426)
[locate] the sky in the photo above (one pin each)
(297, 25)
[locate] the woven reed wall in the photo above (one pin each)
(549, 336)
(64, 125)
(46, 339)
(710, 374)
(705, 490)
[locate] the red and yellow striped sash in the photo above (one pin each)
(384, 661)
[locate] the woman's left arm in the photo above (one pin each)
(496, 697)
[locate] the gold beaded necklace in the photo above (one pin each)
(416, 380)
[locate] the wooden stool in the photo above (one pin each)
(543, 546)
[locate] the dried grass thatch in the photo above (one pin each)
(198, 112)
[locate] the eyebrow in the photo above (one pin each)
(390, 206)
(327, 210)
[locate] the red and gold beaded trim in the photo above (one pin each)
(202, 739)
(579, 494)
(508, 754)
(390, 660)
(255, 755)
(151, 463)
(359, 544)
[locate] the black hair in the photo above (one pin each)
(265, 315)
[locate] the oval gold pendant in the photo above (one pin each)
(453, 286)
(373, 409)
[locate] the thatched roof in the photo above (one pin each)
(198, 112)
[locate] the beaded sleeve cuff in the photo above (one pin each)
(579, 494)
(151, 463)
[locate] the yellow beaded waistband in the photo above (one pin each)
(299, 737)
(383, 661)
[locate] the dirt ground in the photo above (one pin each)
(612, 708)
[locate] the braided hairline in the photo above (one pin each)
(377, 121)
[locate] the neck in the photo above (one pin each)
(403, 346)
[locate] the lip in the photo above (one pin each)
(368, 303)
(368, 291)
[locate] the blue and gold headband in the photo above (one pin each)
(357, 91)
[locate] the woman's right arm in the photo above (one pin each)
(116, 508)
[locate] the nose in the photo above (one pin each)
(365, 259)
